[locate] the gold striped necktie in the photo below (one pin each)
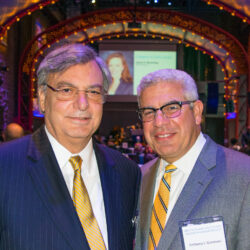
(83, 207)
(160, 208)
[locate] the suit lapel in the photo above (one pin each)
(110, 181)
(192, 192)
(149, 172)
(50, 184)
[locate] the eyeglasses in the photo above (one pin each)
(170, 110)
(68, 93)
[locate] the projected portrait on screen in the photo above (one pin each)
(122, 81)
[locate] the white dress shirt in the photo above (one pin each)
(179, 177)
(90, 175)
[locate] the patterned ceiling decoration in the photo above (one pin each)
(103, 24)
(11, 7)
(155, 23)
(240, 8)
(12, 11)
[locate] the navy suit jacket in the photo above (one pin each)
(36, 209)
(219, 184)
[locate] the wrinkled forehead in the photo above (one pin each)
(168, 89)
(87, 72)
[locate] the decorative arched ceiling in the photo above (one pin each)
(155, 23)
(240, 8)
(13, 10)
(10, 9)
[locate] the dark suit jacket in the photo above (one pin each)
(36, 209)
(219, 184)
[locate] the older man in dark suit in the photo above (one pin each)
(194, 181)
(59, 189)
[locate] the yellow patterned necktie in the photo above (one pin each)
(160, 209)
(83, 207)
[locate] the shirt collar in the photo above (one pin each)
(187, 161)
(63, 155)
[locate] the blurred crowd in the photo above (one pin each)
(244, 145)
(130, 142)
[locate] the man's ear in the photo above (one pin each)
(198, 109)
(41, 98)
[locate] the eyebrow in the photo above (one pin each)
(168, 103)
(64, 84)
(68, 84)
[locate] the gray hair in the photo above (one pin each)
(63, 57)
(172, 76)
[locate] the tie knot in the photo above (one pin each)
(170, 168)
(76, 162)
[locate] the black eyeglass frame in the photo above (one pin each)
(103, 94)
(180, 103)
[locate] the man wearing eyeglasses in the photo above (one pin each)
(59, 189)
(194, 181)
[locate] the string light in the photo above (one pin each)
(118, 36)
(23, 13)
(230, 10)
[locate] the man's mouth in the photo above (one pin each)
(163, 136)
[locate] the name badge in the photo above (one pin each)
(203, 234)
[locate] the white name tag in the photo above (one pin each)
(203, 234)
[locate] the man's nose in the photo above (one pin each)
(160, 118)
(82, 100)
